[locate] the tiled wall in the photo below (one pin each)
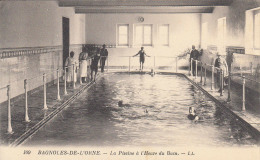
(18, 64)
(247, 64)
(240, 62)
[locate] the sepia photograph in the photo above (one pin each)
(129, 79)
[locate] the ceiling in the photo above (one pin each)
(144, 6)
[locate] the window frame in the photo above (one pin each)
(168, 35)
(118, 35)
(256, 12)
(143, 25)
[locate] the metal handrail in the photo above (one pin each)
(245, 78)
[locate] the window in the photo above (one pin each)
(204, 35)
(164, 35)
(122, 39)
(222, 35)
(257, 29)
(143, 35)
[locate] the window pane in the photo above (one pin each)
(164, 35)
(123, 29)
(147, 35)
(139, 35)
(123, 39)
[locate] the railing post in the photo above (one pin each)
(241, 74)
(196, 70)
(212, 77)
(251, 68)
(244, 94)
(154, 62)
(107, 64)
(44, 93)
(26, 117)
(73, 75)
(190, 68)
(176, 64)
(201, 72)
(9, 128)
(129, 64)
(229, 86)
(205, 74)
(65, 82)
(221, 82)
(191, 60)
(80, 78)
(58, 84)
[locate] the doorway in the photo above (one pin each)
(66, 38)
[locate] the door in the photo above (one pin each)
(66, 38)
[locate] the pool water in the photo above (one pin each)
(154, 114)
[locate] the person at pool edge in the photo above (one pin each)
(142, 54)
(72, 71)
(192, 114)
(221, 63)
(94, 64)
(194, 54)
(103, 57)
(83, 65)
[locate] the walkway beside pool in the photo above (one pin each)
(37, 115)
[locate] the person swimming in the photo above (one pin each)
(192, 114)
(121, 104)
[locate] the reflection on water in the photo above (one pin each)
(155, 114)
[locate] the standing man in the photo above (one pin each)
(142, 54)
(194, 54)
(103, 54)
(94, 64)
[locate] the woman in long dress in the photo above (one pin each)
(83, 69)
(71, 70)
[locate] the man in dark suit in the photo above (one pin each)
(194, 54)
(103, 54)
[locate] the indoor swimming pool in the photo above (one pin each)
(154, 114)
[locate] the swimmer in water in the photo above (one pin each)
(192, 114)
(121, 104)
